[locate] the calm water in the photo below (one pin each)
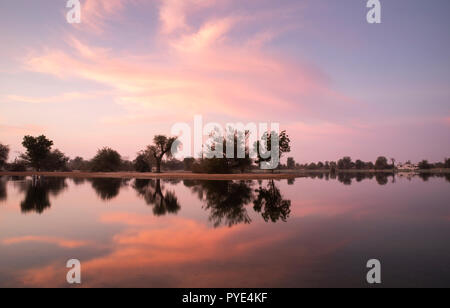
(309, 233)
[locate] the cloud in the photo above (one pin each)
(65, 97)
(64, 243)
(198, 73)
(96, 13)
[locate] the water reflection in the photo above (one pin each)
(226, 200)
(270, 203)
(163, 201)
(108, 188)
(3, 193)
(38, 191)
(323, 232)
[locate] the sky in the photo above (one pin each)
(134, 68)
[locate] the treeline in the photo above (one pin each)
(40, 156)
(346, 163)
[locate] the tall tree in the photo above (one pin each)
(38, 148)
(284, 144)
(162, 145)
(4, 153)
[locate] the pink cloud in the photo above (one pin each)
(64, 97)
(96, 13)
(64, 243)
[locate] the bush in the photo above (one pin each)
(142, 162)
(55, 161)
(425, 165)
(382, 163)
(106, 160)
(17, 166)
(447, 163)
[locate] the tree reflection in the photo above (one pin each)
(108, 188)
(163, 201)
(38, 191)
(78, 181)
(226, 200)
(3, 194)
(269, 202)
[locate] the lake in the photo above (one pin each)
(312, 232)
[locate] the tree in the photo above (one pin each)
(162, 145)
(106, 160)
(78, 163)
(266, 140)
(424, 165)
(4, 153)
(345, 163)
(55, 161)
(359, 164)
(188, 163)
(393, 163)
(143, 163)
(291, 163)
(447, 163)
(381, 163)
(38, 148)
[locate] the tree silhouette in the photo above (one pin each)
(162, 145)
(270, 203)
(284, 144)
(4, 153)
(38, 148)
(106, 160)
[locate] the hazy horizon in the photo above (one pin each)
(133, 68)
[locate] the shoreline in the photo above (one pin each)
(288, 174)
(168, 175)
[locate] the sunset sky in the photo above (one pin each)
(133, 68)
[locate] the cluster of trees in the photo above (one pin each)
(425, 165)
(346, 163)
(233, 161)
(40, 156)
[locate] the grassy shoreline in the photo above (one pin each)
(285, 174)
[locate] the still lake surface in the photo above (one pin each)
(311, 232)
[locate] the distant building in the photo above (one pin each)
(407, 166)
